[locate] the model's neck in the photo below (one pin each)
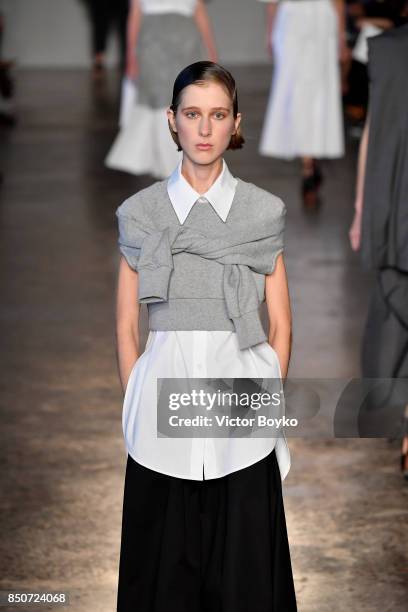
(201, 176)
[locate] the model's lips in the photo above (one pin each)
(204, 146)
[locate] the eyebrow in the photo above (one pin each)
(217, 108)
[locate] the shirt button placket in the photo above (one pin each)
(200, 371)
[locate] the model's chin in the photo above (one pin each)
(204, 156)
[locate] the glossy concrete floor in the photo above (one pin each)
(62, 455)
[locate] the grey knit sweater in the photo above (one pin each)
(204, 274)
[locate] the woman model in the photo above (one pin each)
(304, 115)
(203, 517)
(380, 224)
(163, 36)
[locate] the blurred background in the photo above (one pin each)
(36, 27)
(64, 75)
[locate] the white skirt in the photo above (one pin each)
(304, 113)
(144, 145)
(167, 43)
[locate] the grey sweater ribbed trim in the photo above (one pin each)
(230, 259)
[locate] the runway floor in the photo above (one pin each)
(62, 454)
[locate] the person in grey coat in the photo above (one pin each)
(380, 224)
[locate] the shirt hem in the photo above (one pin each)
(154, 469)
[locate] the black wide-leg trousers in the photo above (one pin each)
(216, 545)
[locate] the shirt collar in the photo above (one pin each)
(183, 196)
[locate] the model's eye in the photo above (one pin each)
(191, 114)
(219, 115)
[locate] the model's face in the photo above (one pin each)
(204, 122)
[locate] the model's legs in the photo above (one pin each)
(100, 19)
(311, 181)
(121, 8)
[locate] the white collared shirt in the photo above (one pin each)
(196, 354)
(220, 195)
